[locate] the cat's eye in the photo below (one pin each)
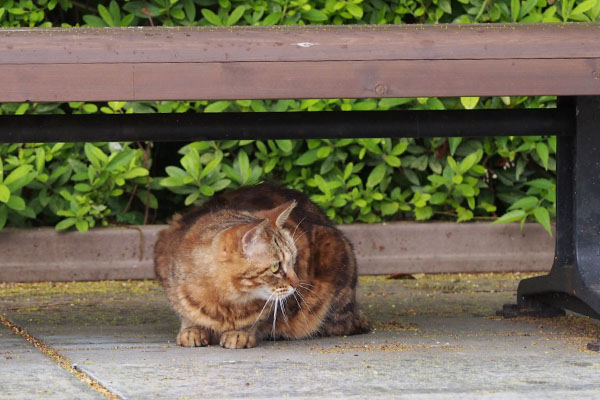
(275, 267)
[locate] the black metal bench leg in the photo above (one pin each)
(574, 281)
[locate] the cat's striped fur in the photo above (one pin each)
(217, 266)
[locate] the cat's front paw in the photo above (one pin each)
(237, 340)
(193, 336)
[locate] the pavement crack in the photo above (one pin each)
(58, 358)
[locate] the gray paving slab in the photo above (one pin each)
(26, 373)
(435, 337)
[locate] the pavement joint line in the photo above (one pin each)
(59, 359)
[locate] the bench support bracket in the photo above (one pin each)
(574, 281)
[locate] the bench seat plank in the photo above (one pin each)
(160, 63)
(277, 80)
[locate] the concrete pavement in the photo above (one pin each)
(435, 337)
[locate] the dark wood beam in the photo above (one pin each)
(299, 62)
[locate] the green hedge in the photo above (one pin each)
(366, 180)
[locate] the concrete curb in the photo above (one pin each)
(126, 252)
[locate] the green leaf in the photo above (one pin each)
(583, 7)
(115, 12)
(191, 198)
(271, 19)
(464, 214)
(244, 165)
(392, 161)
(173, 181)
(400, 148)
(65, 224)
(235, 15)
(307, 158)
(16, 11)
(527, 7)
(82, 225)
(525, 203)
(511, 216)
(542, 151)
(191, 163)
(95, 156)
(515, 6)
(94, 21)
(211, 17)
(127, 20)
(468, 162)
(323, 152)
(540, 183)
(212, 164)
(40, 159)
(355, 10)
(470, 103)
(16, 203)
(542, 216)
(423, 213)
(566, 6)
(121, 159)
(176, 171)
(177, 13)
(134, 173)
(90, 108)
(105, 15)
(3, 215)
(552, 139)
(376, 175)
(453, 144)
(4, 193)
(389, 208)
(390, 102)
(315, 15)
(465, 190)
(207, 190)
(452, 164)
(285, 145)
(438, 198)
(190, 12)
(446, 6)
(371, 144)
(217, 106)
(17, 174)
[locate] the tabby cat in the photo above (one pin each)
(261, 261)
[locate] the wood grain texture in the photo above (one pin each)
(280, 80)
(98, 64)
(297, 43)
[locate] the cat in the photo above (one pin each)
(261, 261)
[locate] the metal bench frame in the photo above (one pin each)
(337, 62)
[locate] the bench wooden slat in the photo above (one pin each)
(294, 43)
(280, 80)
(298, 62)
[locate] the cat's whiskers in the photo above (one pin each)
(297, 225)
(295, 239)
(283, 305)
(263, 309)
(310, 290)
(300, 308)
(275, 316)
(305, 303)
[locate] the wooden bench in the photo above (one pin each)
(332, 62)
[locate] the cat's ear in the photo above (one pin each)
(252, 236)
(278, 215)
